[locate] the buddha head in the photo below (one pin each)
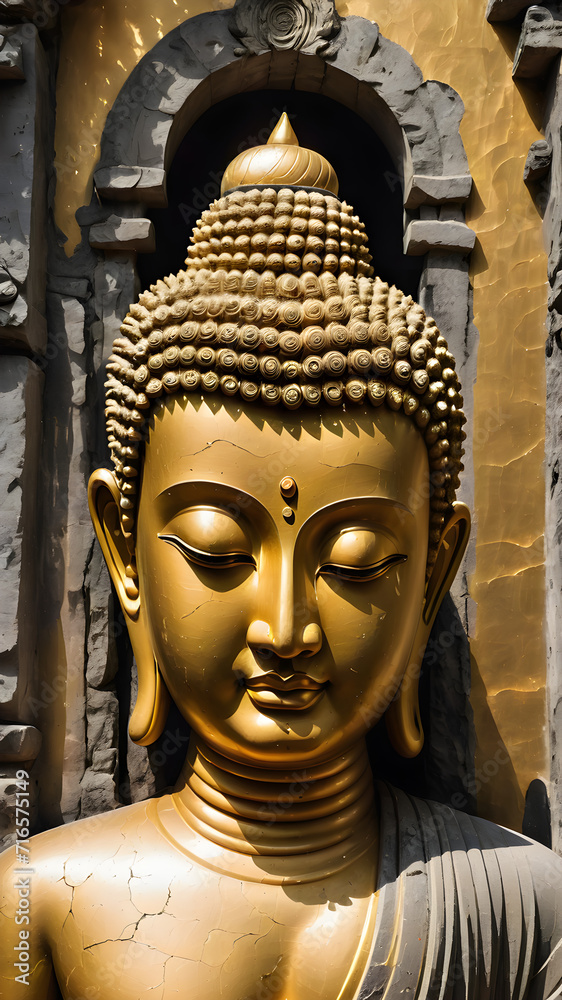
(286, 433)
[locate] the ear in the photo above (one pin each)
(151, 709)
(451, 549)
(403, 714)
(117, 545)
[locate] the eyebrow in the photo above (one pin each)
(211, 483)
(250, 500)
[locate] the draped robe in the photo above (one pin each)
(466, 909)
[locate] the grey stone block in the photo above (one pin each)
(101, 653)
(436, 234)
(172, 82)
(540, 41)
(447, 109)
(504, 10)
(19, 742)
(78, 288)
(98, 793)
(123, 234)
(21, 385)
(422, 189)
(102, 708)
(97, 787)
(73, 312)
(8, 290)
(23, 200)
(146, 184)
(11, 56)
(539, 159)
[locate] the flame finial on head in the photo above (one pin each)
(281, 161)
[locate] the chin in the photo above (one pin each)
(282, 739)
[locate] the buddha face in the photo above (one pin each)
(282, 626)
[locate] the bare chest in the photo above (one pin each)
(199, 935)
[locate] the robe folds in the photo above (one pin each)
(467, 910)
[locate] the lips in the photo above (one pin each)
(273, 692)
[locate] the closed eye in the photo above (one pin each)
(361, 574)
(211, 560)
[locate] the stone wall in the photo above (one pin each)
(25, 163)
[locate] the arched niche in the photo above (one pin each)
(202, 62)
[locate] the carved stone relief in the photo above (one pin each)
(285, 25)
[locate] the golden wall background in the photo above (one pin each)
(451, 42)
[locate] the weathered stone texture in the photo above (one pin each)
(67, 531)
(123, 234)
(540, 40)
(423, 235)
(265, 25)
(98, 792)
(23, 203)
(20, 442)
(11, 56)
(98, 788)
(538, 162)
(19, 743)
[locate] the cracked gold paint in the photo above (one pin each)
(451, 42)
(126, 912)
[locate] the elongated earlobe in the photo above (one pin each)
(151, 707)
(403, 720)
(149, 714)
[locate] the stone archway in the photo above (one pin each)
(204, 60)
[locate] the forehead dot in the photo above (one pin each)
(288, 487)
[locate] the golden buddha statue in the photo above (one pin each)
(281, 528)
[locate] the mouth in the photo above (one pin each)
(273, 692)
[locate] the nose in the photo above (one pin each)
(288, 627)
(285, 644)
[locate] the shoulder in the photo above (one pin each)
(38, 882)
(500, 889)
(46, 852)
(51, 864)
